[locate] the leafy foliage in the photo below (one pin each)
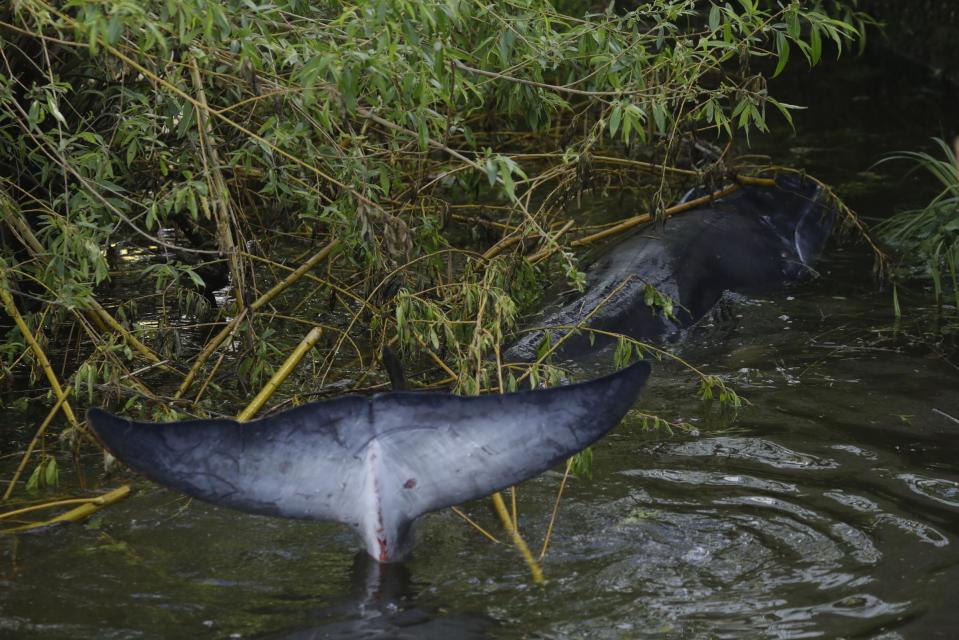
(926, 240)
(437, 145)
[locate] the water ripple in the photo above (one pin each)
(942, 491)
(717, 479)
(751, 449)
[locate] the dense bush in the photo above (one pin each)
(433, 147)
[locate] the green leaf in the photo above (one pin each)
(33, 484)
(785, 109)
(52, 474)
(194, 278)
(793, 29)
(582, 464)
(782, 50)
(423, 134)
(506, 177)
(615, 118)
(715, 16)
(52, 108)
(132, 149)
(491, 170)
(545, 345)
(114, 29)
(815, 41)
(659, 117)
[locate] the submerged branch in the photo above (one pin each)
(88, 506)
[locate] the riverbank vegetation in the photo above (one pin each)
(926, 242)
(190, 187)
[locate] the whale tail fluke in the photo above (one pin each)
(375, 463)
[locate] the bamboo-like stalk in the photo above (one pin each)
(264, 299)
(88, 506)
(43, 506)
(550, 247)
(629, 223)
(217, 185)
(320, 281)
(13, 312)
(518, 541)
(104, 317)
(208, 351)
(436, 359)
(501, 246)
(33, 443)
(647, 167)
(209, 379)
(281, 374)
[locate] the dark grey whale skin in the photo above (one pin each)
(375, 463)
(754, 240)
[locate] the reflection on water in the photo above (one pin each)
(383, 604)
(829, 508)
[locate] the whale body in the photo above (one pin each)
(756, 239)
(375, 463)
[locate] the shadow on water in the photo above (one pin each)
(829, 508)
(383, 603)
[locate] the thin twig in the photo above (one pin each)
(552, 517)
(489, 536)
(33, 443)
(945, 415)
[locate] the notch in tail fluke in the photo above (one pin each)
(375, 463)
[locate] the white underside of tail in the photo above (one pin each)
(374, 530)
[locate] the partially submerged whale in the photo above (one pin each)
(756, 239)
(375, 463)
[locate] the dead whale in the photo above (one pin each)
(375, 463)
(756, 239)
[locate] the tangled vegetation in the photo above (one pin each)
(189, 187)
